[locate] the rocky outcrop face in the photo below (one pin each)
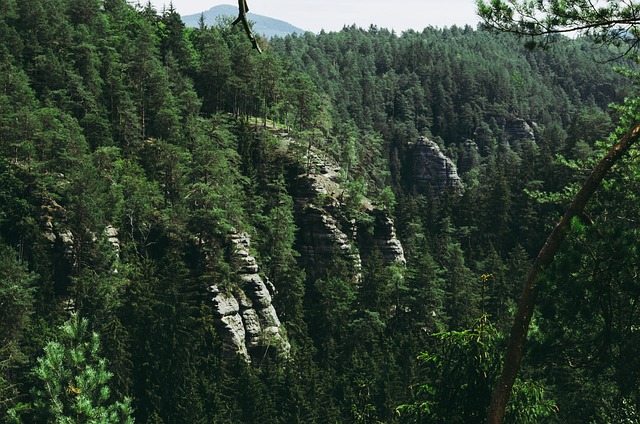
(53, 220)
(63, 248)
(324, 230)
(469, 158)
(517, 129)
(113, 237)
(320, 238)
(247, 319)
(382, 237)
(230, 324)
(431, 169)
(64, 237)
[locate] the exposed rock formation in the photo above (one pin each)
(517, 129)
(227, 309)
(248, 321)
(325, 230)
(112, 236)
(469, 158)
(383, 238)
(62, 248)
(319, 238)
(431, 169)
(54, 235)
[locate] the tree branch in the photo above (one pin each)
(242, 17)
(522, 318)
(549, 17)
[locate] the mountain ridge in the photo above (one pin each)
(263, 25)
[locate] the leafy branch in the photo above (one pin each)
(610, 23)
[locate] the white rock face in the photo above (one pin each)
(250, 324)
(225, 304)
(112, 236)
(233, 327)
(252, 328)
(386, 239)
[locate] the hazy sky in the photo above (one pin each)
(332, 15)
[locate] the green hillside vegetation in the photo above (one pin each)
(132, 148)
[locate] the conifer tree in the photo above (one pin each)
(16, 300)
(73, 382)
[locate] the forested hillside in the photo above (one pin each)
(335, 230)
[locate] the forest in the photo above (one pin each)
(335, 230)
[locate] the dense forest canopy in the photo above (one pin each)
(194, 232)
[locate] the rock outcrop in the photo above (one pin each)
(517, 129)
(469, 157)
(325, 230)
(113, 237)
(320, 238)
(247, 319)
(431, 169)
(53, 221)
(383, 238)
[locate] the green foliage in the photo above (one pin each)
(134, 200)
(388, 199)
(73, 381)
(596, 306)
(116, 118)
(460, 372)
(14, 207)
(608, 22)
(17, 286)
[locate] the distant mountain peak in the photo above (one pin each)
(263, 25)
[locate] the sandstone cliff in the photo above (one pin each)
(248, 322)
(430, 168)
(517, 129)
(325, 228)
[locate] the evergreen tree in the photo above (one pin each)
(17, 286)
(73, 382)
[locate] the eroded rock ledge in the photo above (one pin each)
(248, 321)
(383, 238)
(325, 230)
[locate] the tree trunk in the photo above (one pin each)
(522, 319)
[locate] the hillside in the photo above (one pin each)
(335, 230)
(263, 25)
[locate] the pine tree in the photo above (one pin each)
(73, 382)
(17, 299)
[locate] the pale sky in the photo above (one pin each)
(332, 15)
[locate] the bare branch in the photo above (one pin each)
(242, 17)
